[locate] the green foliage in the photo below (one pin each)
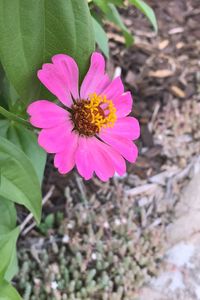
(47, 223)
(101, 37)
(12, 116)
(8, 238)
(117, 2)
(110, 13)
(8, 95)
(7, 292)
(50, 221)
(8, 216)
(147, 11)
(26, 140)
(114, 16)
(19, 181)
(31, 32)
(8, 252)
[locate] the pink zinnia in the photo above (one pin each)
(91, 130)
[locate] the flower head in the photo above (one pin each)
(91, 129)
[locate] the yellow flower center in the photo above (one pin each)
(90, 115)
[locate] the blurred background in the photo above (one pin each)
(135, 237)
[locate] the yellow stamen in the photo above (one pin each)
(96, 104)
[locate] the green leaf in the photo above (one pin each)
(114, 16)
(26, 140)
(8, 220)
(47, 223)
(3, 100)
(13, 117)
(13, 267)
(111, 13)
(4, 125)
(7, 92)
(11, 96)
(19, 181)
(7, 292)
(8, 251)
(8, 216)
(102, 4)
(101, 37)
(31, 32)
(117, 2)
(147, 11)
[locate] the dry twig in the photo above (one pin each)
(23, 228)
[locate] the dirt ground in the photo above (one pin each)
(163, 73)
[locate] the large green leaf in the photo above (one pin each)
(19, 181)
(26, 140)
(8, 252)
(8, 220)
(13, 267)
(147, 11)
(8, 216)
(101, 37)
(7, 292)
(8, 95)
(3, 101)
(4, 125)
(31, 32)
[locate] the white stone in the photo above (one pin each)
(180, 254)
(65, 239)
(54, 285)
(94, 256)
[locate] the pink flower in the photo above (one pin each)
(91, 130)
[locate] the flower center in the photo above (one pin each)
(90, 115)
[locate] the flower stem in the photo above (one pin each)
(12, 117)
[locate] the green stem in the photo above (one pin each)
(12, 117)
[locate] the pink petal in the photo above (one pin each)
(102, 166)
(105, 160)
(53, 79)
(102, 85)
(114, 89)
(83, 158)
(55, 139)
(94, 75)
(65, 160)
(45, 114)
(127, 128)
(69, 70)
(124, 146)
(123, 104)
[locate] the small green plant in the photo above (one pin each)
(47, 224)
(100, 254)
